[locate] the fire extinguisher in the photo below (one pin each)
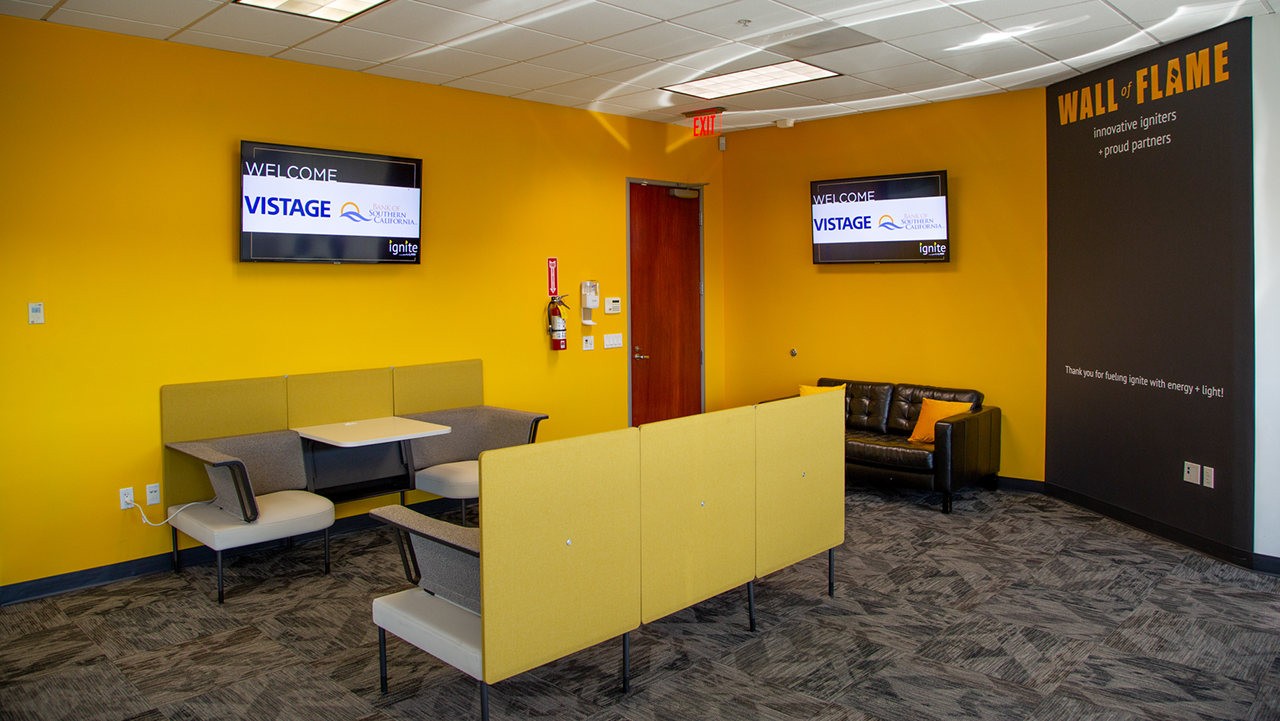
(555, 322)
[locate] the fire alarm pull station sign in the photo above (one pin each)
(553, 276)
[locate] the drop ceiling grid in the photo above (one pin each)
(581, 52)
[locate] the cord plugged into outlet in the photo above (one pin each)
(126, 498)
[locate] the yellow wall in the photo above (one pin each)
(976, 322)
(120, 191)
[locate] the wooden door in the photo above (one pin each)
(666, 304)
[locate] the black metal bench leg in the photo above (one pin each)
(382, 657)
(326, 550)
(219, 576)
(831, 572)
(484, 701)
(751, 604)
(464, 512)
(174, 534)
(626, 662)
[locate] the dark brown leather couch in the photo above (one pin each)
(879, 419)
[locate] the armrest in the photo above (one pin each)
(966, 447)
(412, 523)
(235, 481)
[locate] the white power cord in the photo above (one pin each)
(170, 518)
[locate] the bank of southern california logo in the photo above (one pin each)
(886, 222)
(354, 213)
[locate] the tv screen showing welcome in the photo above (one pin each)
(307, 205)
(881, 219)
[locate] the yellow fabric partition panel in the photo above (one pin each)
(191, 411)
(799, 479)
(436, 386)
(697, 508)
(559, 548)
(319, 398)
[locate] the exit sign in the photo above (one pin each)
(706, 125)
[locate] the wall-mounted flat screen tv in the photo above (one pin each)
(307, 205)
(881, 219)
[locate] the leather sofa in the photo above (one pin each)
(880, 418)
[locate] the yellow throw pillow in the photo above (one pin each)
(810, 390)
(931, 412)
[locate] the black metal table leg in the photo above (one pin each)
(751, 603)
(626, 662)
(831, 572)
(382, 657)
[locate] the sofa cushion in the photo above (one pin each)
(866, 405)
(887, 450)
(904, 408)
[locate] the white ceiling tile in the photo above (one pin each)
(853, 14)
(597, 106)
(657, 117)
(585, 20)
(970, 89)
(996, 9)
(45, 3)
(529, 77)
(512, 43)
(828, 7)
(666, 9)
(654, 75)
(261, 26)
(30, 11)
(417, 76)
(915, 74)
(662, 41)
(660, 100)
(771, 100)
(1143, 11)
(542, 96)
(417, 21)
(481, 86)
(745, 119)
(1066, 20)
(451, 61)
(1135, 43)
(956, 41)
(996, 61)
(762, 16)
(590, 60)
(363, 44)
(863, 58)
(593, 89)
(729, 59)
(1198, 18)
(111, 25)
(916, 23)
(813, 112)
(174, 13)
(494, 9)
(834, 89)
(332, 61)
(900, 100)
(221, 42)
(1070, 46)
(1046, 74)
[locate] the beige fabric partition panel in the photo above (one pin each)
(319, 398)
(436, 386)
(191, 411)
(799, 479)
(559, 548)
(697, 509)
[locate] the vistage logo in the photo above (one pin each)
(354, 213)
(886, 222)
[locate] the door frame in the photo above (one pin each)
(702, 290)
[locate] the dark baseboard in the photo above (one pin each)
(76, 580)
(1020, 484)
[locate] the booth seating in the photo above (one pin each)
(881, 438)
(260, 486)
(581, 540)
(449, 466)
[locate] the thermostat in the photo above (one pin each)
(612, 305)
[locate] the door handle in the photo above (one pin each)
(637, 356)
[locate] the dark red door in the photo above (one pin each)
(666, 304)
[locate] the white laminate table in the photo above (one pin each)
(369, 432)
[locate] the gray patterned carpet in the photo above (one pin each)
(1015, 606)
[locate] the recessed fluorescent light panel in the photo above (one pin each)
(745, 81)
(335, 10)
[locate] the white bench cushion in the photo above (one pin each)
(280, 515)
(451, 480)
(445, 630)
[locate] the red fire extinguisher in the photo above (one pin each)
(555, 323)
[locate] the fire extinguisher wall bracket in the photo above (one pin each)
(556, 324)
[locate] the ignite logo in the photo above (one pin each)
(886, 222)
(933, 250)
(354, 213)
(404, 248)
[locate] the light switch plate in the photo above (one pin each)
(1191, 472)
(1208, 477)
(612, 305)
(35, 313)
(588, 342)
(612, 340)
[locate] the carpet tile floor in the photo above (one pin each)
(1015, 606)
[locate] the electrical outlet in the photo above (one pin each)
(1191, 472)
(588, 342)
(126, 498)
(1208, 477)
(153, 494)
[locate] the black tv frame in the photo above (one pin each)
(931, 183)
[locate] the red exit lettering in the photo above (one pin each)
(706, 125)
